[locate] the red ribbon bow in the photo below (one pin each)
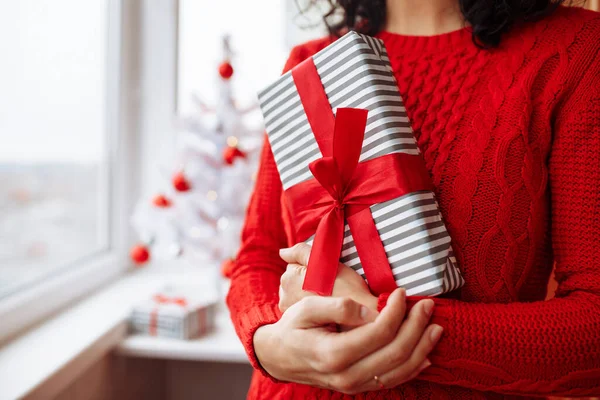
(162, 299)
(344, 189)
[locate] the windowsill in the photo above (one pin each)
(221, 345)
(47, 358)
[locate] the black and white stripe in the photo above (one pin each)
(355, 72)
(172, 321)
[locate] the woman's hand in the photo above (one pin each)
(302, 348)
(347, 283)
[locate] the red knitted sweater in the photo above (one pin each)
(511, 137)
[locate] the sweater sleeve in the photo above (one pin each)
(545, 347)
(253, 295)
(254, 292)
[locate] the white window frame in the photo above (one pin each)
(138, 111)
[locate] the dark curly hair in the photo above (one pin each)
(489, 19)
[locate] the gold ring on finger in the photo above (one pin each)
(379, 383)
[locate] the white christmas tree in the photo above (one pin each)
(199, 213)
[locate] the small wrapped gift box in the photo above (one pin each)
(175, 313)
(354, 179)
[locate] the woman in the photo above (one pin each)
(504, 100)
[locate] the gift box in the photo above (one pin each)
(354, 179)
(175, 313)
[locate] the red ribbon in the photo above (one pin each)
(344, 189)
(162, 299)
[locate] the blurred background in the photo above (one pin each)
(64, 73)
(129, 142)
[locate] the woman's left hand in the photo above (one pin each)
(347, 283)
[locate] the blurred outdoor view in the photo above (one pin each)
(53, 197)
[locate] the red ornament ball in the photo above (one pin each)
(139, 254)
(225, 70)
(231, 153)
(180, 182)
(161, 201)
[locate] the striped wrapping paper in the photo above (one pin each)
(356, 73)
(172, 320)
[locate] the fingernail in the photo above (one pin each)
(283, 252)
(366, 314)
(425, 364)
(363, 312)
(428, 307)
(436, 333)
(401, 293)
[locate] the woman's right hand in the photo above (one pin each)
(302, 347)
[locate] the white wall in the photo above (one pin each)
(262, 34)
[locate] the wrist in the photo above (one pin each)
(261, 336)
(263, 342)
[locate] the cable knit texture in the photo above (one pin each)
(511, 137)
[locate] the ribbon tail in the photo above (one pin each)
(348, 136)
(325, 254)
(153, 321)
(371, 252)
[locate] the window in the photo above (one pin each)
(54, 152)
(86, 107)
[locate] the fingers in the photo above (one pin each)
(292, 277)
(390, 380)
(344, 349)
(298, 254)
(346, 382)
(395, 354)
(412, 329)
(282, 300)
(418, 360)
(290, 286)
(318, 311)
(385, 347)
